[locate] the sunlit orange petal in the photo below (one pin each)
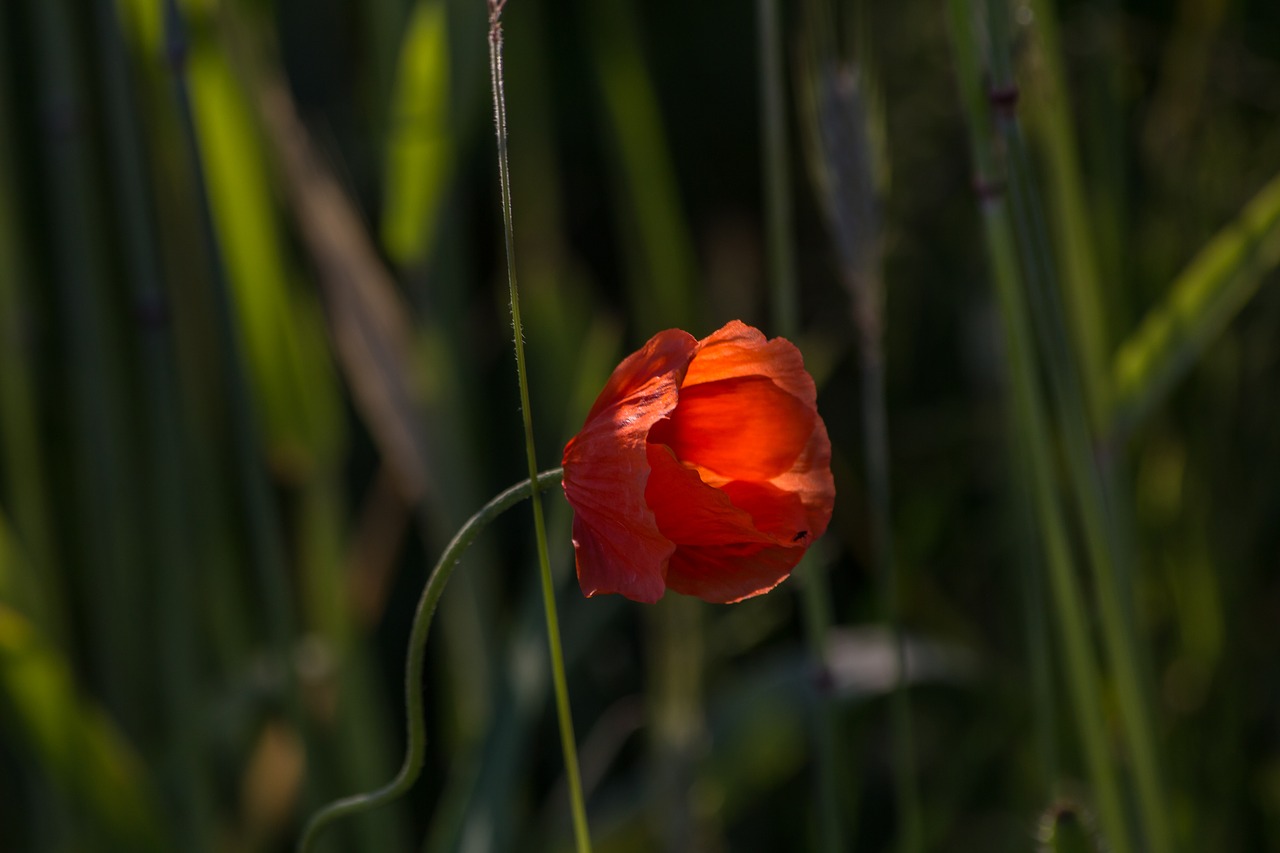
(649, 373)
(739, 350)
(742, 428)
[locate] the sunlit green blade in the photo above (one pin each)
(420, 144)
(1200, 302)
(78, 746)
(282, 332)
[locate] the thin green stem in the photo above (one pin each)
(563, 712)
(846, 176)
(416, 742)
(22, 458)
(265, 547)
(815, 601)
(1049, 118)
(778, 207)
(102, 533)
(1095, 502)
(1035, 618)
(1033, 432)
(1034, 444)
(876, 448)
(162, 479)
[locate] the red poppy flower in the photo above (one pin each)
(703, 467)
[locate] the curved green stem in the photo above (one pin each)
(415, 747)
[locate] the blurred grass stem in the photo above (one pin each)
(876, 449)
(1095, 503)
(847, 180)
(104, 545)
(163, 494)
(815, 599)
(1036, 451)
(568, 744)
(1049, 120)
(21, 451)
(265, 545)
(777, 200)
(416, 741)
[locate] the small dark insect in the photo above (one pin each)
(799, 536)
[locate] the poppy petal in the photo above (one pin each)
(721, 555)
(689, 512)
(703, 467)
(810, 480)
(739, 350)
(722, 575)
(650, 370)
(615, 536)
(780, 514)
(742, 428)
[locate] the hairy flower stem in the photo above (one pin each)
(416, 742)
(582, 835)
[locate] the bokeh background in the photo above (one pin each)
(256, 368)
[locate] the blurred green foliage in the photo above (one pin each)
(255, 369)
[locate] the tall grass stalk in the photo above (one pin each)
(1095, 501)
(43, 589)
(266, 550)
(103, 536)
(815, 593)
(661, 291)
(568, 744)
(656, 237)
(776, 167)
(1049, 120)
(846, 175)
(163, 497)
(1035, 449)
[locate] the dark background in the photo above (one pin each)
(256, 368)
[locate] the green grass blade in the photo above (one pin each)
(1213, 288)
(420, 146)
(1049, 120)
(41, 594)
(75, 742)
(1034, 445)
(655, 228)
(282, 335)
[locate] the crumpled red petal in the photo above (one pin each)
(723, 552)
(703, 467)
(615, 536)
(738, 350)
